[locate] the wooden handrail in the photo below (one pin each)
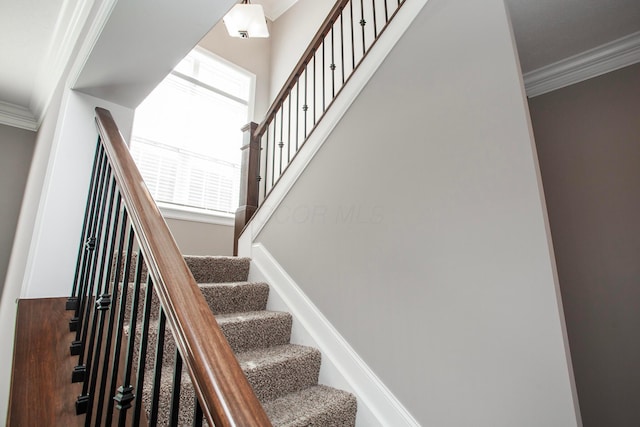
(333, 16)
(226, 397)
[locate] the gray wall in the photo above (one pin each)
(588, 140)
(16, 150)
(419, 230)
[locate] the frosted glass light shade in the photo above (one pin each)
(246, 20)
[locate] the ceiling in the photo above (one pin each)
(32, 31)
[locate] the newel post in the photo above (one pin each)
(249, 179)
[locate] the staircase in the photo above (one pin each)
(284, 376)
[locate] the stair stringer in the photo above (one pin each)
(341, 366)
(339, 106)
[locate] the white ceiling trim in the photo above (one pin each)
(17, 116)
(69, 24)
(594, 62)
(90, 40)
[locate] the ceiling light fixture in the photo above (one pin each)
(246, 20)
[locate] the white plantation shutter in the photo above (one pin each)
(186, 134)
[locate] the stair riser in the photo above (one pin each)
(271, 382)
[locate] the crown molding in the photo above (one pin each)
(591, 63)
(68, 28)
(280, 8)
(17, 116)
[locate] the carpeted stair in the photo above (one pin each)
(284, 376)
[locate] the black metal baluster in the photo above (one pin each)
(342, 43)
(323, 80)
(119, 327)
(175, 393)
(110, 327)
(89, 314)
(333, 68)
(197, 414)
(157, 369)
(386, 12)
(266, 160)
(88, 247)
(125, 395)
(289, 131)
(72, 301)
(79, 344)
(297, 112)
(375, 24)
(273, 157)
(281, 143)
(103, 302)
(142, 354)
(362, 24)
(305, 107)
(315, 89)
(353, 43)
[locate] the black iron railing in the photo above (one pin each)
(338, 48)
(127, 259)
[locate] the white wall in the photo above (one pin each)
(52, 257)
(420, 231)
(16, 150)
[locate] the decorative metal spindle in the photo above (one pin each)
(84, 313)
(142, 359)
(297, 112)
(112, 313)
(362, 24)
(266, 160)
(353, 40)
(72, 301)
(386, 12)
(281, 143)
(175, 393)
(87, 248)
(315, 89)
(119, 327)
(289, 131)
(375, 24)
(305, 107)
(333, 68)
(97, 252)
(273, 156)
(157, 369)
(125, 395)
(342, 43)
(197, 414)
(103, 302)
(105, 237)
(324, 107)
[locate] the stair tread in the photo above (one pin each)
(318, 405)
(245, 316)
(254, 359)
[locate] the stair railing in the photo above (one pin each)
(344, 39)
(126, 256)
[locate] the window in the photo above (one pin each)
(186, 134)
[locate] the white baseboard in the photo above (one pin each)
(341, 366)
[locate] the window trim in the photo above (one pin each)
(192, 213)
